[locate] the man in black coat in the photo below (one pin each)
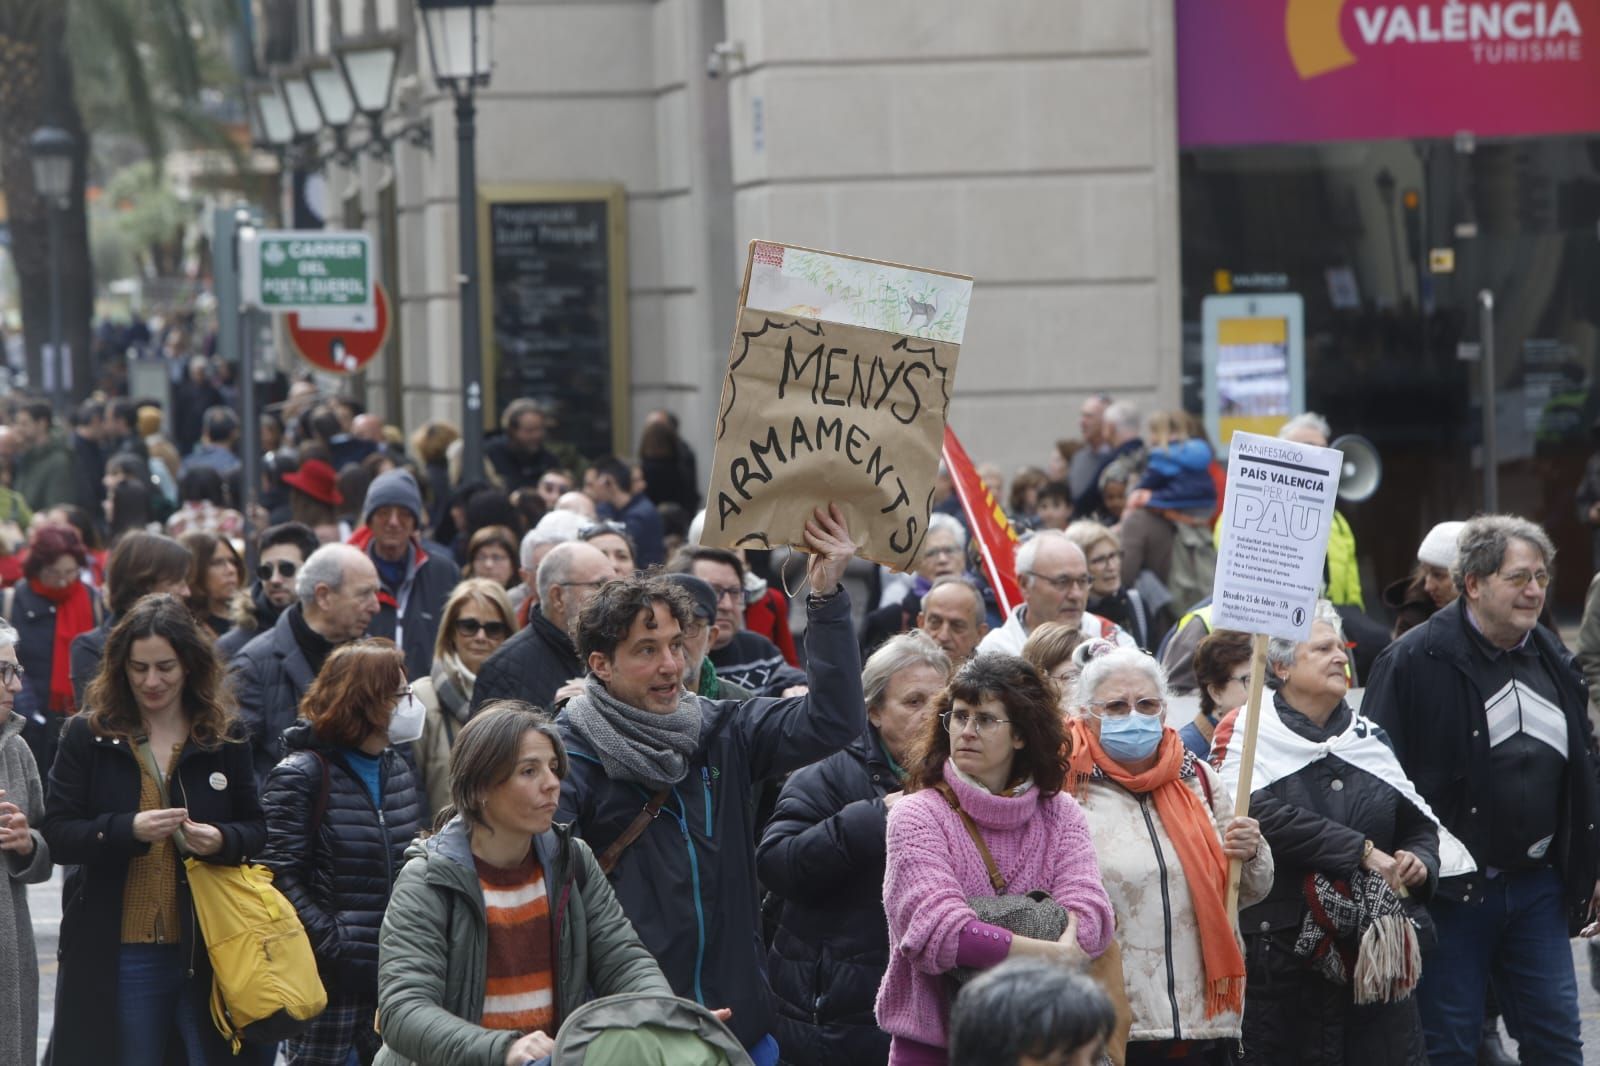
(338, 596)
(518, 455)
(1488, 716)
(541, 659)
(88, 460)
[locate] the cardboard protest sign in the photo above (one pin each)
(838, 385)
(1280, 501)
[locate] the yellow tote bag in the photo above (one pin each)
(264, 983)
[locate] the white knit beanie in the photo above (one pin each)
(1439, 547)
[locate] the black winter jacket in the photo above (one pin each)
(1318, 819)
(34, 619)
(270, 674)
(338, 873)
(83, 657)
(688, 883)
(1422, 692)
(823, 854)
(92, 799)
(531, 666)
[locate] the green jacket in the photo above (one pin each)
(44, 475)
(433, 949)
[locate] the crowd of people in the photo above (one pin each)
(513, 747)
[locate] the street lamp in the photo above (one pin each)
(368, 64)
(52, 152)
(274, 128)
(331, 94)
(301, 102)
(458, 51)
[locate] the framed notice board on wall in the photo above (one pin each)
(555, 308)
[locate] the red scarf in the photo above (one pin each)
(74, 615)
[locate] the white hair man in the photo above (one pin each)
(1054, 576)
(556, 527)
(337, 594)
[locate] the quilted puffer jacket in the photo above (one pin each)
(338, 871)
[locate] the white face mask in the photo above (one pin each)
(405, 725)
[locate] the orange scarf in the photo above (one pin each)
(1193, 833)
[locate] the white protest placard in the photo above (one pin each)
(1280, 502)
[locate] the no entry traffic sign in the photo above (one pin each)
(307, 270)
(343, 351)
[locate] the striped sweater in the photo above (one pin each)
(521, 985)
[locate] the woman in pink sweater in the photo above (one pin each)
(995, 750)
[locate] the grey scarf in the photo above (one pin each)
(635, 745)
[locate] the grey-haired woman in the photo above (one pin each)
(823, 855)
(26, 860)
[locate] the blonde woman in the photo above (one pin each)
(477, 620)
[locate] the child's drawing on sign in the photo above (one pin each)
(858, 292)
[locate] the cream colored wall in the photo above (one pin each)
(1031, 144)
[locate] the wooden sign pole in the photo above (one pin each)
(1247, 758)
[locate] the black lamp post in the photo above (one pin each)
(458, 50)
(52, 151)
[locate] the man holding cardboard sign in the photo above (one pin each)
(661, 780)
(837, 388)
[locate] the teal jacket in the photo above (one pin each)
(433, 949)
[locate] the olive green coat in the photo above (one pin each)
(433, 949)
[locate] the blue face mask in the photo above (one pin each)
(1131, 737)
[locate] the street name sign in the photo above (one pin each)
(308, 271)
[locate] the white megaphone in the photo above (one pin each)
(1361, 470)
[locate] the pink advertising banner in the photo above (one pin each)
(1282, 71)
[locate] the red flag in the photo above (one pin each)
(992, 531)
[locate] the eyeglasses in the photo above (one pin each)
(1149, 707)
(403, 693)
(1064, 582)
(598, 529)
(1519, 578)
(583, 584)
(10, 672)
(470, 627)
(1106, 559)
(728, 592)
(1243, 679)
(941, 551)
(285, 569)
(957, 721)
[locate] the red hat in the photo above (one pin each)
(316, 479)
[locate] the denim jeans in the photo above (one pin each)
(1516, 938)
(154, 1001)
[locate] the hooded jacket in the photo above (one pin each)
(338, 870)
(822, 854)
(433, 948)
(410, 614)
(688, 882)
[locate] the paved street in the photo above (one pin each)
(45, 901)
